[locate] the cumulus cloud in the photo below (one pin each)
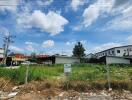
(76, 3)
(129, 39)
(15, 49)
(121, 10)
(92, 13)
(122, 22)
(9, 5)
(70, 43)
(30, 46)
(52, 22)
(48, 43)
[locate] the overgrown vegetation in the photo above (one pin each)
(83, 76)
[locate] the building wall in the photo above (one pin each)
(124, 51)
(117, 60)
(64, 60)
(110, 52)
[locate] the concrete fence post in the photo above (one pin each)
(26, 74)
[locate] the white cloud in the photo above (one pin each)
(83, 41)
(129, 39)
(30, 48)
(122, 22)
(77, 27)
(72, 43)
(48, 43)
(4, 31)
(44, 2)
(92, 13)
(52, 22)
(31, 43)
(76, 3)
(69, 43)
(104, 47)
(9, 5)
(16, 49)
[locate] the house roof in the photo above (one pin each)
(114, 48)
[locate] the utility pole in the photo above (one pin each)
(8, 39)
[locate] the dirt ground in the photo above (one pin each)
(73, 95)
(51, 90)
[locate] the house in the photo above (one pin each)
(116, 55)
(16, 59)
(58, 59)
(122, 51)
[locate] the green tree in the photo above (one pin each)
(78, 50)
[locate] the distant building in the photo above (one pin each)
(117, 60)
(116, 55)
(16, 59)
(89, 56)
(55, 59)
(122, 51)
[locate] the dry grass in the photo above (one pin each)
(5, 84)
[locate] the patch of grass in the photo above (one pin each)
(82, 75)
(35, 73)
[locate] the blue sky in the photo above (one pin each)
(54, 26)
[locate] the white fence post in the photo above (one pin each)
(26, 75)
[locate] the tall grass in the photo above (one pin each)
(35, 73)
(95, 75)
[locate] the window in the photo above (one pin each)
(109, 53)
(129, 49)
(118, 51)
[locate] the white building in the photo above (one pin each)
(89, 56)
(1, 53)
(116, 52)
(66, 59)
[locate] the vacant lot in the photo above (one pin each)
(82, 78)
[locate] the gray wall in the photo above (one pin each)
(123, 50)
(64, 60)
(110, 52)
(116, 60)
